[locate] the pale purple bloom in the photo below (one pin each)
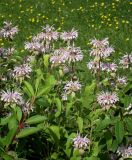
(5, 53)
(50, 33)
(26, 107)
(93, 65)
(99, 43)
(74, 54)
(107, 99)
(11, 97)
(122, 80)
(125, 152)
(8, 31)
(21, 71)
(39, 37)
(102, 52)
(101, 48)
(35, 46)
(71, 35)
(109, 67)
(126, 60)
(80, 142)
(59, 56)
(72, 87)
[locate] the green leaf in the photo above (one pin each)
(88, 96)
(38, 79)
(43, 91)
(46, 60)
(19, 113)
(55, 133)
(28, 131)
(50, 80)
(80, 124)
(102, 124)
(58, 104)
(12, 123)
(10, 136)
(68, 107)
(114, 145)
(35, 119)
(29, 88)
(4, 121)
(119, 131)
(96, 149)
(128, 122)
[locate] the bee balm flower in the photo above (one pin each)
(107, 99)
(21, 71)
(11, 97)
(80, 142)
(67, 36)
(125, 152)
(72, 87)
(8, 31)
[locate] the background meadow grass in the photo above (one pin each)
(92, 18)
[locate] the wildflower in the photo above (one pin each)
(68, 36)
(126, 60)
(107, 99)
(59, 56)
(5, 53)
(74, 54)
(21, 71)
(122, 80)
(26, 107)
(35, 46)
(72, 87)
(125, 152)
(101, 48)
(8, 31)
(11, 97)
(109, 67)
(80, 142)
(93, 65)
(99, 43)
(102, 52)
(39, 37)
(50, 33)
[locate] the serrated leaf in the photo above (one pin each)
(29, 88)
(58, 104)
(19, 113)
(12, 123)
(4, 121)
(27, 131)
(10, 136)
(88, 95)
(80, 124)
(50, 81)
(55, 133)
(102, 124)
(68, 107)
(43, 91)
(128, 122)
(119, 131)
(35, 119)
(46, 60)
